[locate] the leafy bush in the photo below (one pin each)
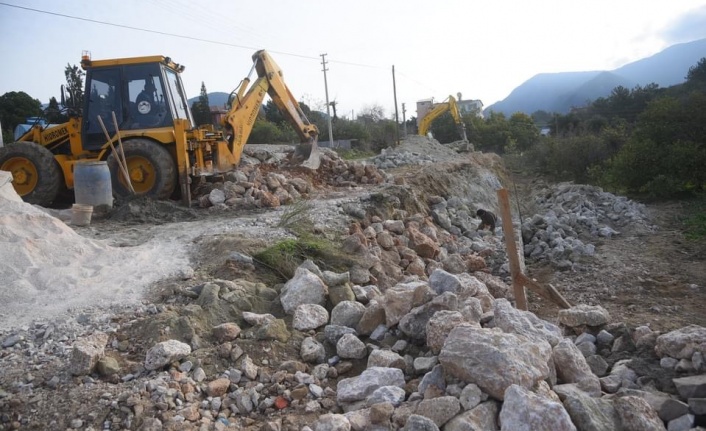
(264, 132)
(570, 158)
(659, 170)
(695, 223)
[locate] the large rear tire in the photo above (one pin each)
(151, 168)
(36, 175)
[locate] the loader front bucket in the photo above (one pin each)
(309, 153)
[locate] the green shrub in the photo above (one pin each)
(264, 132)
(569, 158)
(659, 170)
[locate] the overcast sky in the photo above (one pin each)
(480, 49)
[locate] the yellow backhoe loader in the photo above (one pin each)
(439, 108)
(162, 145)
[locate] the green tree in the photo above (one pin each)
(15, 107)
(382, 131)
(74, 86)
(347, 129)
(542, 118)
(445, 130)
(525, 133)
(493, 134)
(696, 77)
(697, 73)
(201, 109)
(273, 114)
(667, 151)
(53, 112)
(264, 132)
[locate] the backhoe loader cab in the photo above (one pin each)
(144, 93)
(164, 150)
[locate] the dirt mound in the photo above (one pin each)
(141, 209)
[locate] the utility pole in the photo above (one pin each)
(397, 117)
(328, 108)
(404, 121)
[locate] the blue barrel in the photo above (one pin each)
(92, 185)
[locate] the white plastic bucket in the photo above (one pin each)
(81, 214)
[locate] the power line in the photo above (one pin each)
(181, 36)
(198, 39)
(163, 33)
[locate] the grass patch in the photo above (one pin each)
(695, 219)
(285, 256)
(296, 218)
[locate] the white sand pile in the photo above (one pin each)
(46, 268)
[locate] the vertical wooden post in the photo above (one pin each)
(512, 256)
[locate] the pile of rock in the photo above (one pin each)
(568, 213)
(392, 249)
(265, 179)
(442, 353)
(419, 150)
(394, 159)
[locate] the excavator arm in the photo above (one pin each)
(240, 119)
(453, 108)
(447, 105)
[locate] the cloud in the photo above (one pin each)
(686, 28)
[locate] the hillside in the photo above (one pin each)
(217, 98)
(559, 92)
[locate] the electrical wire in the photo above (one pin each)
(198, 39)
(181, 36)
(163, 33)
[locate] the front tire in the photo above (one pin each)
(151, 168)
(36, 175)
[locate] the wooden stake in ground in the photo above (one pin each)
(511, 246)
(520, 280)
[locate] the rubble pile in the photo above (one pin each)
(395, 159)
(441, 352)
(420, 333)
(419, 150)
(569, 216)
(266, 180)
(415, 245)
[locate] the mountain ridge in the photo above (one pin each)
(561, 91)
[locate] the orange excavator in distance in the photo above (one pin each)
(163, 147)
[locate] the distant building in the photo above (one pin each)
(470, 106)
(423, 107)
(218, 114)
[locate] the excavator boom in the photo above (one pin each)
(447, 105)
(248, 99)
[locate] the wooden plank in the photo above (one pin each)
(511, 246)
(547, 292)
